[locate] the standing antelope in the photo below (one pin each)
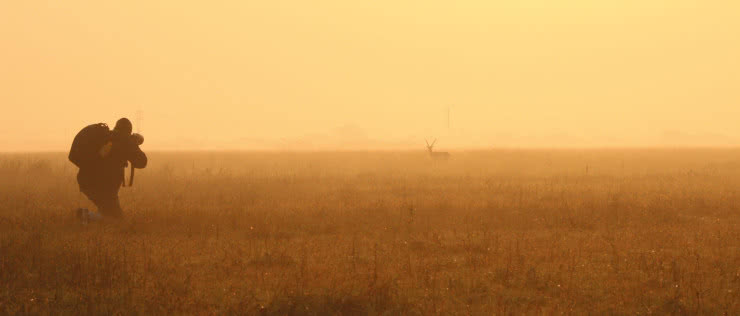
(436, 154)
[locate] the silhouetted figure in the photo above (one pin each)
(102, 156)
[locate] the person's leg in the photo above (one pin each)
(106, 202)
(109, 205)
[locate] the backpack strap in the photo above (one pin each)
(131, 177)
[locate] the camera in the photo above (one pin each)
(137, 139)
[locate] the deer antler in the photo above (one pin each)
(435, 140)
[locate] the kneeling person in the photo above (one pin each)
(102, 155)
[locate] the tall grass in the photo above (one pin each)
(490, 232)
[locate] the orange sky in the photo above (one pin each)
(372, 74)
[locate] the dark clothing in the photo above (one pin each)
(106, 202)
(101, 180)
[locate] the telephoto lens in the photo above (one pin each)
(137, 138)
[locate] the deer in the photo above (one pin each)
(442, 155)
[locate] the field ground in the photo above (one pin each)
(488, 232)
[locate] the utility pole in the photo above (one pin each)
(139, 119)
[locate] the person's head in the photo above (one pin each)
(123, 126)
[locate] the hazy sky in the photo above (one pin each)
(372, 74)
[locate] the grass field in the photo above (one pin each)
(488, 232)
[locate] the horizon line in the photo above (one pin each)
(451, 149)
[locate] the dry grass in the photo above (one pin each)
(497, 232)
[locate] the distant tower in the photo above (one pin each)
(448, 118)
(139, 119)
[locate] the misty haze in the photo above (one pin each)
(348, 158)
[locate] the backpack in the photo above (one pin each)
(87, 145)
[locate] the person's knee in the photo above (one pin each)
(112, 209)
(107, 203)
